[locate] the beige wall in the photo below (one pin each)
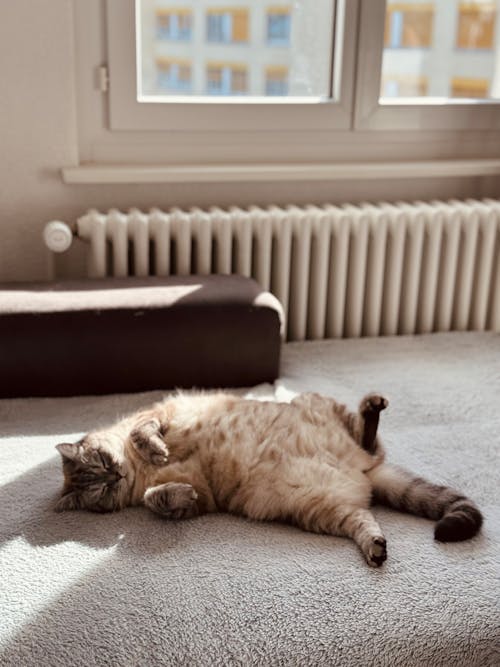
(38, 136)
(37, 129)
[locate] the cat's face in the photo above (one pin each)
(97, 475)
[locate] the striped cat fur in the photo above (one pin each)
(310, 462)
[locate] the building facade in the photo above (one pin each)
(446, 48)
(236, 47)
(280, 48)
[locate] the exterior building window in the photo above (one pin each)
(277, 81)
(298, 34)
(173, 75)
(226, 79)
(278, 26)
(214, 81)
(408, 25)
(476, 25)
(404, 86)
(471, 88)
(227, 25)
(174, 25)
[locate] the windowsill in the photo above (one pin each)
(86, 174)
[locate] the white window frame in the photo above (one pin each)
(350, 139)
(234, 114)
(425, 113)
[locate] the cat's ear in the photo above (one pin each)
(70, 451)
(70, 501)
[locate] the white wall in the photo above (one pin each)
(38, 136)
(37, 129)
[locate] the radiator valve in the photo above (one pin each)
(57, 236)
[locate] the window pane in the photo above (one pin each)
(258, 48)
(446, 48)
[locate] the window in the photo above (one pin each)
(224, 35)
(227, 25)
(226, 79)
(408, 25)
(173, 24)
(278, 26)
(276, 80)
(300, 81)
(448, 68)
(447, 71)
(476, 25)
(173, 75)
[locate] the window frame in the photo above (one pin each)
(407, 114)
(207, 115)
(149, 155)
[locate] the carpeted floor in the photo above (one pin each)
(131, 589)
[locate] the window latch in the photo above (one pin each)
(103, 78)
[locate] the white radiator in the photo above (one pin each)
(348, 271)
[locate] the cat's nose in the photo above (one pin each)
(114, 478)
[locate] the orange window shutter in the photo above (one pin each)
(277, 72)
(471, 88)
(163, 20)
(239, 81)
(240, 25)
(163, 64)
(476, 27)
(214, 75)
(185, 72)
(418, 28)
(387, 29)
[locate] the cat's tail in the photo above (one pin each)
(457, 517)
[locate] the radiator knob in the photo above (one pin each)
(57, 236)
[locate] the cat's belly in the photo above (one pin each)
(271, 491)
(257, 481)
(322, 442)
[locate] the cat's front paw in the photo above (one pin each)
(146, 438)
(376, 554)
(172, 500)
(373, 403)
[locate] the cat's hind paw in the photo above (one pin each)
(376, 553)
(373, 403)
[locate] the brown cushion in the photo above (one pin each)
(122, 335)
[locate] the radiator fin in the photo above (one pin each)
(350, 271)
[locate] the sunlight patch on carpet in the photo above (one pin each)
(34, 576)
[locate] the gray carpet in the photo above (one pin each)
(131, 589)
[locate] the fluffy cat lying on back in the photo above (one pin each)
(310, 462)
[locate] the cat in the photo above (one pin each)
(310, 462)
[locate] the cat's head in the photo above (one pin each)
(97, 475)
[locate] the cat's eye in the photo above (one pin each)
(105, 463)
